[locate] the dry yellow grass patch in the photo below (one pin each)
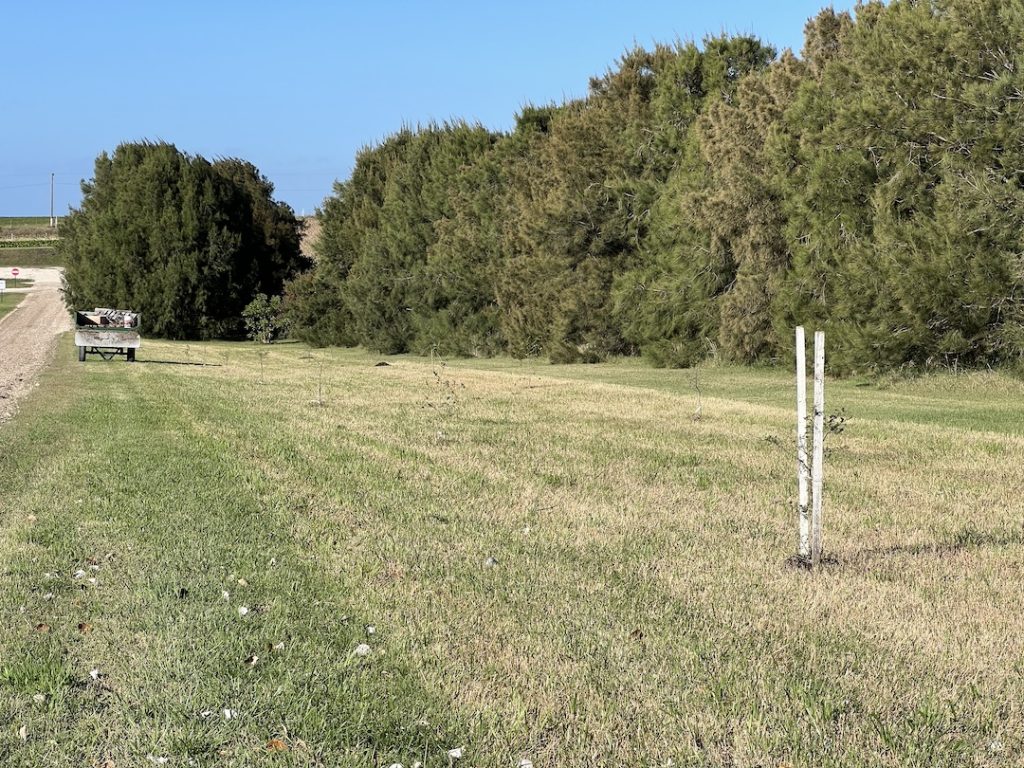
(642, 604)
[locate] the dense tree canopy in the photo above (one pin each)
(702, 200)
(185, 242)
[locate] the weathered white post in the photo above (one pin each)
(803, 467)
(818, 448)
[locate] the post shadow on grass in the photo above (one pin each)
(177, 362)
(966, 539)
(828, 560)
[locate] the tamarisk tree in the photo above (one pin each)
(186, 242)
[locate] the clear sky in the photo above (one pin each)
(298, 87)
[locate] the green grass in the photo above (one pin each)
(9, 301)
(26, 243)
(639, 607)
(29, 257)
(24, 221)
(17, 231)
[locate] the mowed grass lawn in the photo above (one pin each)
(557, 564)
(8, 301)
(27, 257)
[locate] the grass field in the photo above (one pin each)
(28, 257)
(26, 244)
(558, 564)
(31, 228)
(24, 221)
(9, 302)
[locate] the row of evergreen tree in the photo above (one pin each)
(703, 200)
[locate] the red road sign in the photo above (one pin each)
(15, 271)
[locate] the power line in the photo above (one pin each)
(25, 186)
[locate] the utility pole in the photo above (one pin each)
(53, 220)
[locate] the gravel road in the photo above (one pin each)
(28, 335)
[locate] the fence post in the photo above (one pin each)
(802, 465)
(817, 468)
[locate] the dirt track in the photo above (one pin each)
(28, 336)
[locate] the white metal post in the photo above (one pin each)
(803, 468)
(817, 463)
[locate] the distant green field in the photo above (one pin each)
(27, 228)
(24, 221)
(40, 242)
(29, 257)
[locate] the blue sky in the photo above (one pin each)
(297, 88)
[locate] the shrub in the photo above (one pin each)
(186, 242)
(263, 320)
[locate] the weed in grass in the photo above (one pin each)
(835, 423)
(698, 413)
(319, 400)
(447, 390)
(262, 355)
(45, 674)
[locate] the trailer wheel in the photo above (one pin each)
(81, 354)
(130, 355)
